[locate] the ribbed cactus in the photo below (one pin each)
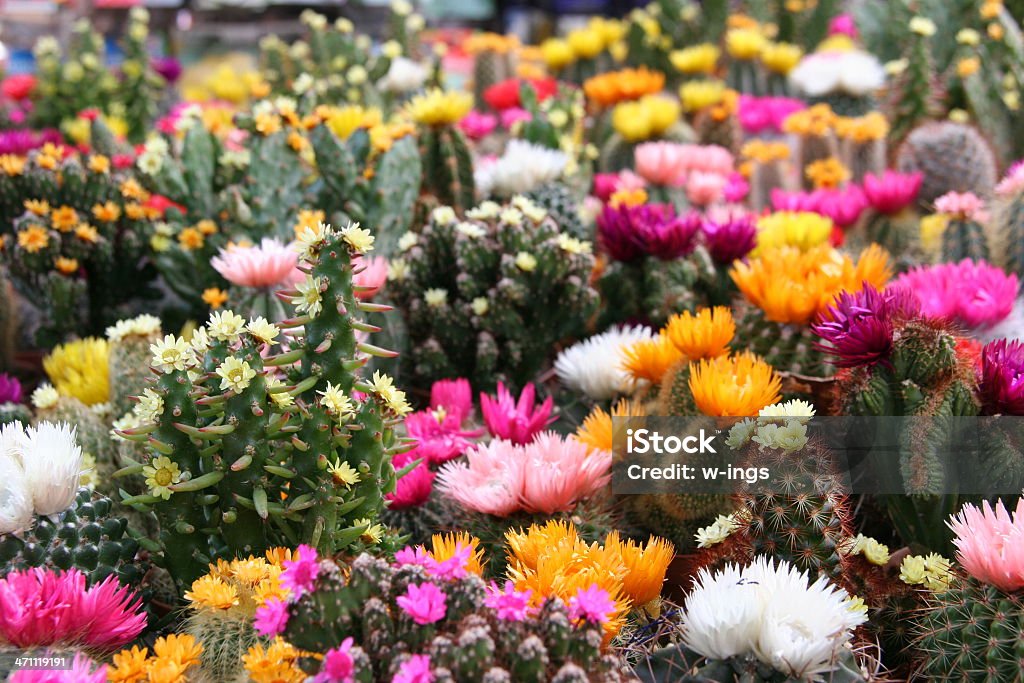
(91, 535)
(673, 516)
(490, 67)
(788, 347)
(129, 342)
(952, 157)
(964, 237)
(470, 642)
(447, 166)
(1009, 232)
(242, 457)
(559, 201)
(487, 298)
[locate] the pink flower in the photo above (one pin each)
(990, 543)
(759, 114)
(413, 488)
(976, 295)
(424, 602)
(962, 204)
(605, 185)
(512, 116)
(439, 435)
(707, 158)
(299, 575)
(270, 264)
(369, 275)
(416, 669)
(843, 24)
(736, 188)
(454, 395)
(488, 480)
(81, 671)
(478, 125)
(454, 567)
(271, 618)
(843, 206)
(1013, 182)
(509, 603)
(417, 556)
(43, 607)
(661, 163)
(517, 422)
(592, 604)
(892, 192)
(338, 666)
(704, 188)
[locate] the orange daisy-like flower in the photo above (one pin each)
(827, 173)
(87, 233)
(65, 265)
(214, 297)
(190, 238)
(650, 359)
(207, 227)
(444, 546)
(733, 386)
(135, 212)
(268, 124)
(613, 87)
(598, 431)
(213, 593)
(107, 212)
(99, 164)
(12, 165)
(274, 664)
(794, 286)
(64, 219)
(178, 647)
(646, 566)
(815, 121)
(33, 239)
(128, 666)
(705, 335)
(130, 189)
(39, 207)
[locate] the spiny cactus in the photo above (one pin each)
(952, 157)
(1009, 230)
(487, 297)
(787, 347)
(129, 342)
(14, 412)
(241, 458)
(8, 321)
(447, 166)
(964, 237)
(559, 201)
(90, 535)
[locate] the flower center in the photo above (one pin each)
(163, 477)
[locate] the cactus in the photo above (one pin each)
(240, 459)
(129, 354)
(559, 201)
(14, 412)
(8, 322)
(952, 157)
(487, 298)
(490, 67)
(93, 436)
(917, 95)
(720, 124)
(447, 166)
(788, 347)
(964, 237)
(90, 536)
(1009, 229)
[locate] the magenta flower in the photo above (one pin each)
(168, 68)
(661, 163)
(509, 603)
(730, 238)
(859, 326)
(478, 125)
(270, 264)
(424, 602)
(22, 141)
(990, 543)
(416, 669)
(766, 114)
(454, 395)
(41, 607)
(271, 618)
(512, 116)
(414, 487)
(976, 295)
(417, 556)
(1001, 377)
(338, 665)
(843, 206)
(628, 233)
(299, 575)
(605, 185)
(784, 200)
(892, 192)
(10, 389)
(962, 205)
(843, 24)
(592, 604)
(454, 567)
(81, 671)
(516, 421)
(439, 435)
(1013, 182)
(736, 188)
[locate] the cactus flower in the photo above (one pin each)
(892, 192)
(300, 574)
(629, 233)
(338, 665)
(425, 603)
(730, 238)
(270, 264)
(1001, 377)
(518, 421)
(416, 669)
(81, 671)
(859, 326)
(974, 294)
(990, 543)
(414, 488)
(10, 389)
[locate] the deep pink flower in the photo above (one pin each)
(271, 618)
(628, 233)
(703, 188)
(661, 163)
(766, 114)
(990, 543)
(22, 141)
(81, 671)
(509, 603)
(453, 395)
(962, 204)
(453, 568)
(299, 575)
(417, 556)
(512, 116)
(892, 192)
(516, 421)
(730, 238)
(271, 264)
(1013, 182)
(41, 607)
(736, 188)
(844, 206)
(369, 274)
(786, 200)
(605, 185)
(478, 125)
(1001, 378)
(338, 666)
(413, 488)
(10, 389)
(843, 24)
(439, 435)
(859, 325)
(591, 604)
(416, 669)
(424, 602)
(168, 68)
(976, 295)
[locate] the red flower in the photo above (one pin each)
(19, 86)
(89, 114)
(505, 95)
(123, 161)
(162, 203)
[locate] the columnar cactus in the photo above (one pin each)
(251, 445)
(447, 166)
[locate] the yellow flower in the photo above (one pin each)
(236, 375)
(336, 402)
(744, 43)
(268, 123)
(697, 59)
(308, 218)
(12, 165)
(190, 239)
(705, 335)
(80, 369)
(39, 207)
(439, 108)
(624, 197)
(526, 262)
(444, 547)
(128, 666)
(99, 164)
(557, 53)
(225, 326)
(359, 239)
(343, 474)
(213, 593)
(873, 551)
(160, 475)
(922, 26)
(34, 238)
(649, 117)
(373, 534)
(107, 212)
(816, 121)
(64, 219)
(932, 229)
(801, 229)
(650, 359)
(697, 95)
(274, 664)
(171, 353)
(968, 66)
(781, 58)
(765, 152)
(597, 430)
(343, 121)
(827, 173)
(870, 127)
(214, 297)
(585, 43)
(733, 386)
(87, 233)
(65, 265)
(912, 570)
(207, 227)
(178, 647)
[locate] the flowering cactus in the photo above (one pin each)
(252, 445)
(487, 297)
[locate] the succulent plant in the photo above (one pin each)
(952, 157)
(447, 166)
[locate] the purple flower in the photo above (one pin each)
(631, 232)
(338, 666)
(299, 575)
(731, 239)
(591, 604)
(509, 603)
(10, 389)
(271, 617)
(416, 669)
(169, 68)
(424, 602)
(1001, 377)
(859, 326)
(21, 142)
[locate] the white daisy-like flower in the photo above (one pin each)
(15, 498)
(523, 167)
(404, 75)
(309, 239)
(471, 230)
(722, 614)
(334, 400)
(511, 216)
(200, 341)
(129, 420)
(144, 325)
(480, 305)
(171, 353)
(225, 325)
(435, 297)
(442, 215)
(571, 245)
(309, 300)
(853, 72)
(235, 374)
(398, 269)
(45, 396)
(792, 408)
(263, 329)
(358, 238)
(485, 211)
(150, 406)
(593, 366)
(717, 531)
(789, 437)
(526, 262)
(741, 433)
(532, 211)
(52, 462)
(282, 399)
(407, 241)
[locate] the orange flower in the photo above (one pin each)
(827, 173)
(87, 233)
(99, 164)
(613, 87)
(39, 207)
(190, 238)
(12, 165)
(34, 238)
(650, 359)
(64, 219)
(634, 197)
(128, 666)
(444, 546)
(597, 430)
(733, 386)
(705, 335)
(67, 266)
(135, 212)
(107, 212)
(646, 566)
(130, 189)
(214, 297)
(207, 227)
(268, 124)
(296, 141)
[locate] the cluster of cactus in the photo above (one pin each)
(787, 347)
(618, 153)
(917, 95)
(1008, 237)
(251, 446)
(562, 204)
(447, 166)
(77, 241)
(90, 536)
(487, 298)
(368, 185)
(678, 663)
(128, 343)
(471, 642)
(951, 156)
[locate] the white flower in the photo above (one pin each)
(263, 329)
(792, 408)
(398, 269)
(717, 531)
(511, 216)
(53, 464)
(922, 26)
(358, 238)
(408, 241)
(526, 262)
(593, 367)
(45, 396)
(171, 353)
(225, 325)
(823, 73)
(235, 374)
(15, 499)
(789, 437)
(310, 238)
(436, 297)
(471, 230)
(571, 245)
(144, 325)
(404, 75)
(968, 36)
(532, 211)
(722, 614)
(302, 83)
(486, 211)
(392, 49)
(441, 215)
(336, 402)
(523, 167)
(480, 305)
(149, 408)
(309, 297)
